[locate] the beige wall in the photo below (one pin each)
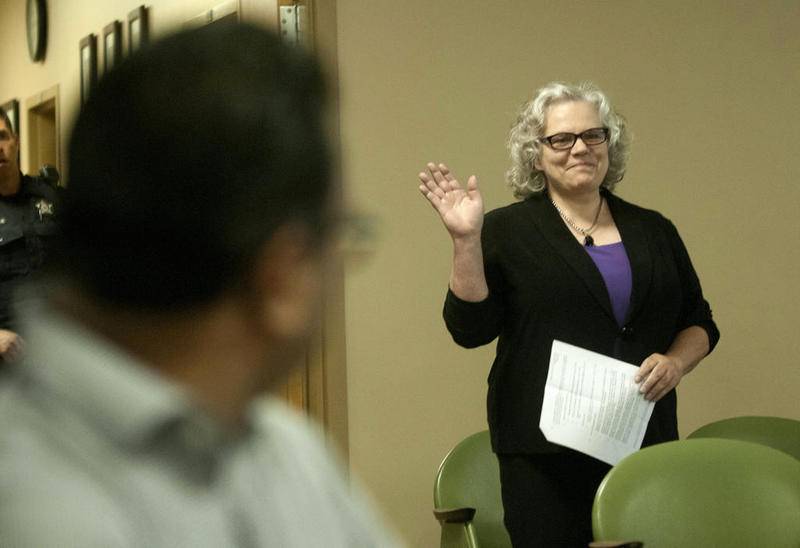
(69, 21)
(710, 90)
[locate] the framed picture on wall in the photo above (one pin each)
(88, 49)
(12, 110)
(138, 29)
(112, 45)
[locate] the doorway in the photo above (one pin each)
(42, 135)
(317, 387)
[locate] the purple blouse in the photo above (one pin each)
(613, 264)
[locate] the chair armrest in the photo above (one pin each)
(454, 515)
(616, 544)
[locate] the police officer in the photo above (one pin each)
(27, 225)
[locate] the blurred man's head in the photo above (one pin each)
(186, 160)
(9, 148)
(199, 172)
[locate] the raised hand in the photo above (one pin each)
(461, 209)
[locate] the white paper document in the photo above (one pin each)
(591, 404)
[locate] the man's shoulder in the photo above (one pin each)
(310, 466)
(40, 484)
(294, 433)
(40, 186)
(27, 436)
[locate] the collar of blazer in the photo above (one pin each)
(631, 228)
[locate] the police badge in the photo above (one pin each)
(44, 208)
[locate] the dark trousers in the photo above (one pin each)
(548, 498)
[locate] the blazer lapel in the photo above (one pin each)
(564, 243)
(634, 237)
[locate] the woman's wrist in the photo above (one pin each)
(681, 364)
(467, 242)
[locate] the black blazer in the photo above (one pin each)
(544, 286)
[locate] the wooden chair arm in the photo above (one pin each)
(454, 515)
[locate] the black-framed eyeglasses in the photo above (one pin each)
(565, 141)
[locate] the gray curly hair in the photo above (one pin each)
(525, 148)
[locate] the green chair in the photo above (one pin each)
(466, 496)
(701, 492)
(776, 432)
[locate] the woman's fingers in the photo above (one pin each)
(459, 208)
(655, 386)
(443, 176)
(431, 185)
(443, 190)
(431, 196)
(435, 195)
(451, 180)
(658, 374)
(645, 368)
(472, 186)
(434, 170)
(649, 376)
(439, 180)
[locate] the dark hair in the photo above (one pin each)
(185, 160)
(4, 117)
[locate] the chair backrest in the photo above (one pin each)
(701, 492)
(469, 476)
(776, 432)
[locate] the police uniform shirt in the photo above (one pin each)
(27, 227)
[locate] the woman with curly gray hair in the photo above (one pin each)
(573, 262)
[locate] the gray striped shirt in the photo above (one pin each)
(97, 449)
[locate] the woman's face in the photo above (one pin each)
(582, 168)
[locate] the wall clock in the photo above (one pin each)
(36, 17)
